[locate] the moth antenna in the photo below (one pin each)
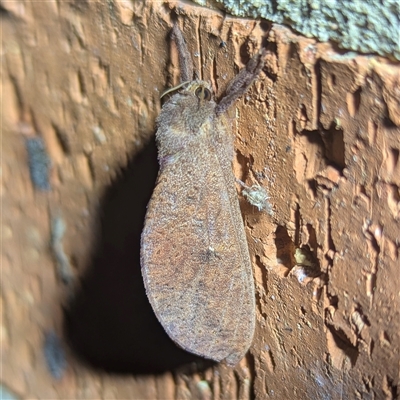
(173, 89)
(185, 61)
(242, 81)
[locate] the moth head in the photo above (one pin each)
(203, 93)
(201, 89)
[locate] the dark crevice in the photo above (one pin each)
(375, 246)
(344, 343)
(18, 95)
(265, 25)
(392, 387)
(215, 74)
(333, 139)
(292, 52)
(63, 140)
(244, 163)
(284, 247)
(313, 137)
(312, 239)
(80, 5)
(92, 168)
(252, 371)
(263, 273)
(394, 156)
(199, 41)
(331, 143)
(333, 300)
(312, 185)
(4, 13)
(272, 48)
(82, 86)
(331, 244)
(244, 52)
(318, 82)
(388, 123)
(242, 378)
(357, 99)
(331, 81)
(297, 225)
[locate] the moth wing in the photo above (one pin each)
(195, 261)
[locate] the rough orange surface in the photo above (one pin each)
(319, 130)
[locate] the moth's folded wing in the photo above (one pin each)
(195, 263)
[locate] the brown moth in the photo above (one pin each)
(194, 256)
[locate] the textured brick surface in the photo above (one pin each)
(320, 131)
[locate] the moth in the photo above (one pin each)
(194, 256)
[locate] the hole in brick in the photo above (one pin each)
(302, 71)
(353, 102)
(340, 347)
(284, 247)
(312, 239)
(372, 132)
(302, 116)
(63, 140)
(292, 128)
(334, 146)
(331, 80)
(392, 160)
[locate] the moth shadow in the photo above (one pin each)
(110, 324)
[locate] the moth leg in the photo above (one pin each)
(185, 61)
(242, 81)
